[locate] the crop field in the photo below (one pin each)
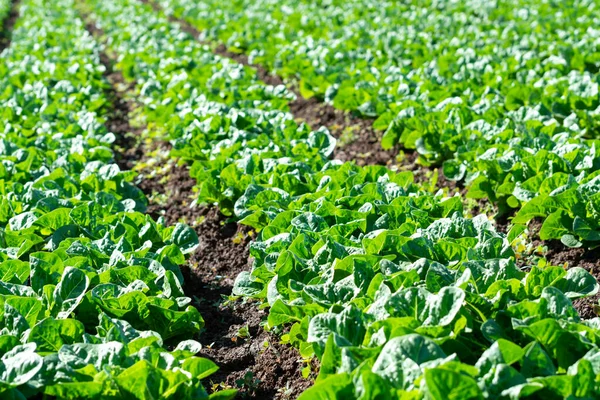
(299, 199)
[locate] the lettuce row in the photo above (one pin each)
(90, 288)
(527, 160)
(504, 94)
(396, 293)
(400, 296)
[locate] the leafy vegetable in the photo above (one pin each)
(396, 292)
(90, 289)
(504, 95)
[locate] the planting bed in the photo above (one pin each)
(299, 199)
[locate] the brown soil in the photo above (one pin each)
(8, 25)
(559, 254)
(589, 259)
(249, 358)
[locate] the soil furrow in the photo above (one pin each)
(249, 358)
(359, 141)
(8, 25)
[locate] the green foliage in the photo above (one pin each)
(504, 95)
(396, 292)
(90, 290)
